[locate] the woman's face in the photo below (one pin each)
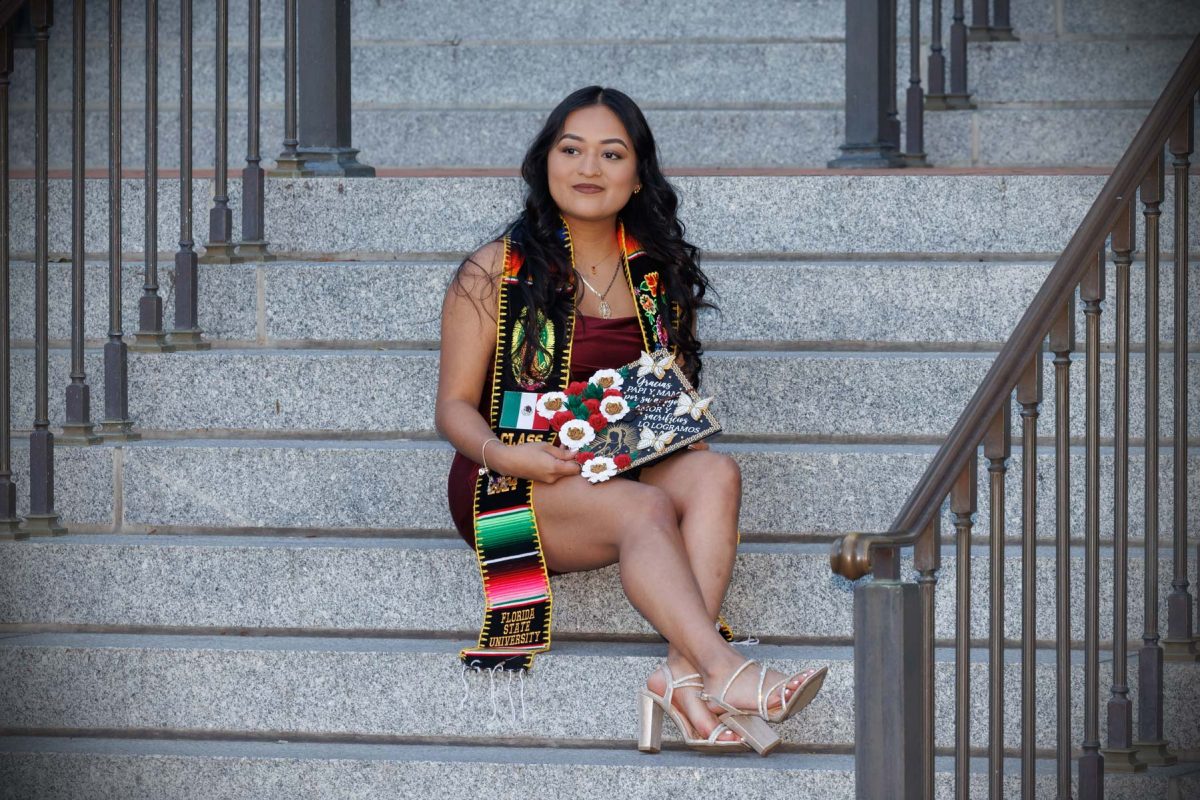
(594, 149)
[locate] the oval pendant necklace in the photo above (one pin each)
(605, 310)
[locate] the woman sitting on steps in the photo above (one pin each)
(594, 271)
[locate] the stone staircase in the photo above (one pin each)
(466, 84)
(263, 596)
(269, 575)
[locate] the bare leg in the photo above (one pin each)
(706, 489)
(586, 526)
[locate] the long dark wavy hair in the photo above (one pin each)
(649, 217)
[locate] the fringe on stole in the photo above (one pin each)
(507, 687)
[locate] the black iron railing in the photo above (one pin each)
(894, 617)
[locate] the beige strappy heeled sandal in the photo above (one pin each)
(811, 681)
(650, 716)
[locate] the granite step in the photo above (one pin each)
(813, 395)
(1017, 134)
(776, 303)
(783, 70)
(830, 215)
(415, 690)
(408, 586)
(58, 768)
(540, 20)
(791, 491)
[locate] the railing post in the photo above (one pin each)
(77, 428)
(1179, 644)
(964, 499)
(927, 559)
(42, 519)
(116, 425)
(997, 448)
(324, 38)
(1091, 763)
(1119, 754)
(872, 135)
(1150, 744)
(219, 247)
(914, 113)
(936, 96)
(186, 334)
(958, 97)
(151, 337)
(288, 163)
(9, 521)
(1062, 342)
(1029, 397)
(981, 26)
(253, 246)
(888, 672)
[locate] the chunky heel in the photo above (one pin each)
(652, 707)
(756, 732)
(650, 717)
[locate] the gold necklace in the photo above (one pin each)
(601, 261)
(605, 310)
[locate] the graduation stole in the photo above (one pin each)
(516, 585)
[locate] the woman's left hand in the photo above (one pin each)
(698, 446)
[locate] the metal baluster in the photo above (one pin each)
(151, 337)
(981, 28)
(9, 521)
(116, 424)
(253, 246)
(1091, 763)
(1151, 746)
(1029, 396)
(287, 163)
(963, 505)
(219, 247)
(1001, 29)
(914, 112)
(1062, 342)
(935, 98)
(1119, 755)
(959, 97)
(997, 447)
(77, 426)
(42, 519)
(927, 559)
(1179, 644)
(186, 334)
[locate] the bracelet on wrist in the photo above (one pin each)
(483, 455)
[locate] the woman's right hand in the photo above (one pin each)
(537, 461)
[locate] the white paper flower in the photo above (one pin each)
(598, 469)
(575, 434)
(550, 404)
(613, 408)
(607, 379)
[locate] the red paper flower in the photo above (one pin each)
(597, 421)
(577, 387)
(611, 392)
(583, 456)
(622, 461)
(560, 419)
(593, 405)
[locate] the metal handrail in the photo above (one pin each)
(851, 554)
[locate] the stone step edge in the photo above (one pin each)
(562, 753)
(449, 540)
(569, 648)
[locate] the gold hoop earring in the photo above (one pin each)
(638, 189)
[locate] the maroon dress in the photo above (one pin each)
(597, 344)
